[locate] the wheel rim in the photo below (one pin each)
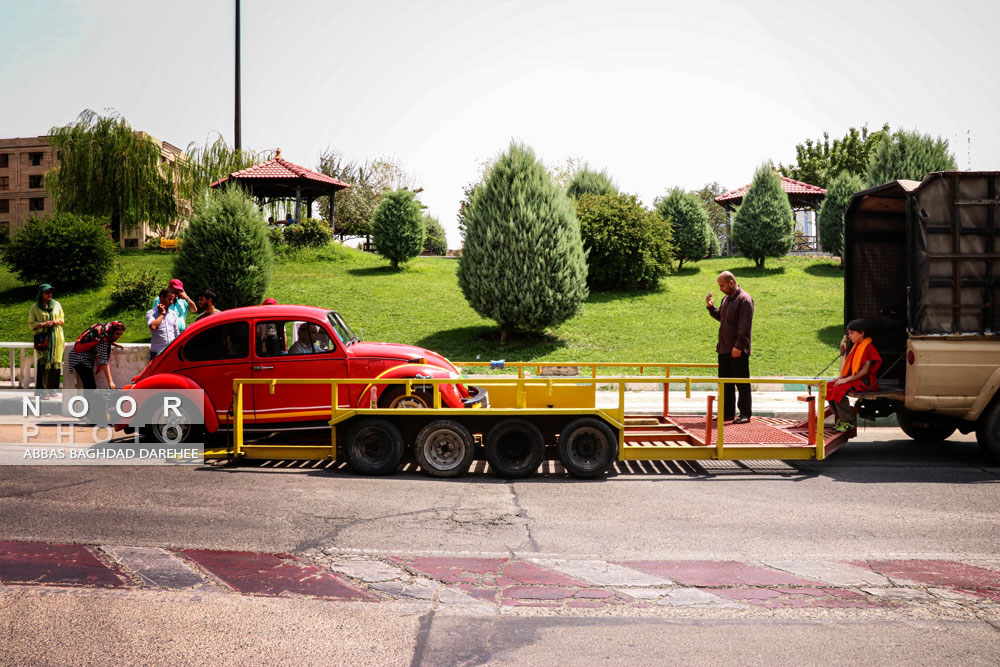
(412, 402)
(171, 429)
(587, 448)
(373, 445)
(444, 449)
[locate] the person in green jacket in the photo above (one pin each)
(47, 318)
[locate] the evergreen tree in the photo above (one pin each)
(523, 263)
(398, 227)
(436, 241)
(764, 226)
(587, 181)
(713, 246)
(908, 155)
(689, 224)
(718, 218)
(831, 213)
(226, 249)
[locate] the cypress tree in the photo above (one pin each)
(523, 263)
(398, 227)
(908, 155)
(831, 213)
(591, 182)
(690, 225)
(764, 226)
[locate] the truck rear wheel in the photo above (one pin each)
(514, 448)
(587, 447)
(988, 432)
(373, 447)
(923, 426)
(445, 448)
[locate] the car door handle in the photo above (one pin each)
(263, 368)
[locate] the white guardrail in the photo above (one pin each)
(20, 372)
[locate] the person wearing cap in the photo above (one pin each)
(45, 321)
(269, 302)
(163, 323)
(181, 305)
(92, 352)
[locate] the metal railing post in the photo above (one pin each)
(721, 419)
(238, 431)
(821, 421)
(666, 392)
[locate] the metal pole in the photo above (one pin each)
(238, 136)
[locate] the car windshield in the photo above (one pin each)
(340, 326)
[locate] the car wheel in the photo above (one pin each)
(514, 448)
(923, 426)
(373, 447)
(172, 429)
(395, 398)
(988, 432)
(445, 448)
(587, 447)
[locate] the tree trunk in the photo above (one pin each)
(504, 334)
(680, 264)
(116, 227)
(760, 262)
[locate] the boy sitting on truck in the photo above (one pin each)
(857, 374)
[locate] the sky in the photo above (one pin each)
(659, 93)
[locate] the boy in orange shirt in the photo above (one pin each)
(858, 374)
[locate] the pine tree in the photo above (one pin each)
(764, 226)
(398, 227)
(587, 181)
(690, 225)
(523, 263)
(831, 213)
(908, 155)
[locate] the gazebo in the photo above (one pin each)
(803, 197)
(279, 179)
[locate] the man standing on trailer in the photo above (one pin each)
(735, 316)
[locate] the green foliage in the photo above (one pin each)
(817, 163)
(587, 181)
(689, 223)
(714, 249)
(276, 235)
(398, 227)
(206, 164)
(310, 233)
(718, 219)
(226, 249)
(436, 241)
(908, 155)
(355, 207)
(764, 226)
(134, 290)
(108, 170)
(628, 247)
(523, 263)
(831, 213)
(64, 249)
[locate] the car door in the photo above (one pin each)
(295, 348)
(215, 357)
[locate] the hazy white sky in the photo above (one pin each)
(660, 93)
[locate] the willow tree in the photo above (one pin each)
(107, 169)
(206, 164)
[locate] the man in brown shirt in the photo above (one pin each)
(735, 316)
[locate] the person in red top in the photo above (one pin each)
(859, 373)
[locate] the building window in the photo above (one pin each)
(4, 182)
(4, 206)
(59, 155)
(35, 181)
(4, 160)
(36, 204)
(36, 159)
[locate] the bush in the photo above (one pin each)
(64, 249)
(435, 241)
(310, 233)
(591, 182)
(831, 212)
(226, 249)
(276, 235)
(523, 263)
(908, 155)
(689, 223)
(398, 227)
(628, 246)
(134, 290)
(764, 226)
(714, 247)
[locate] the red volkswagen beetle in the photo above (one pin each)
(289, 342)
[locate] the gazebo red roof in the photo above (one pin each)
(799, 194)
(279, 177)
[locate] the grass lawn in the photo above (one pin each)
(797, 324)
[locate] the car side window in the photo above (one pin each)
(307, 337)
(222, 342)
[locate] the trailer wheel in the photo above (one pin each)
(373, 447)
(988, 432)
(924, 427)
(445, 448)
(514, 448)
(587, 447)
(395, 397)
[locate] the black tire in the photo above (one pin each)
(924, 427)
(587, 447)
(988, 432)
(373, 447)
(445, 448)
(514, 448)
(170, 429)
(394, 396)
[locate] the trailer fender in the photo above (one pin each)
(986, 395)
(168, 381)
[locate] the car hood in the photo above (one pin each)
(399, 352)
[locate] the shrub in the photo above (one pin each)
(276, 235)
(65, 249)
(435, 241)
(831, 212)
(908, 155)
(523, 263)
(310, 233)
(689, 223)
(628, 246)
(764, 226)
(714, 247)
(226, 249)
(134, 290)
(398, 227)
(591, 182)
